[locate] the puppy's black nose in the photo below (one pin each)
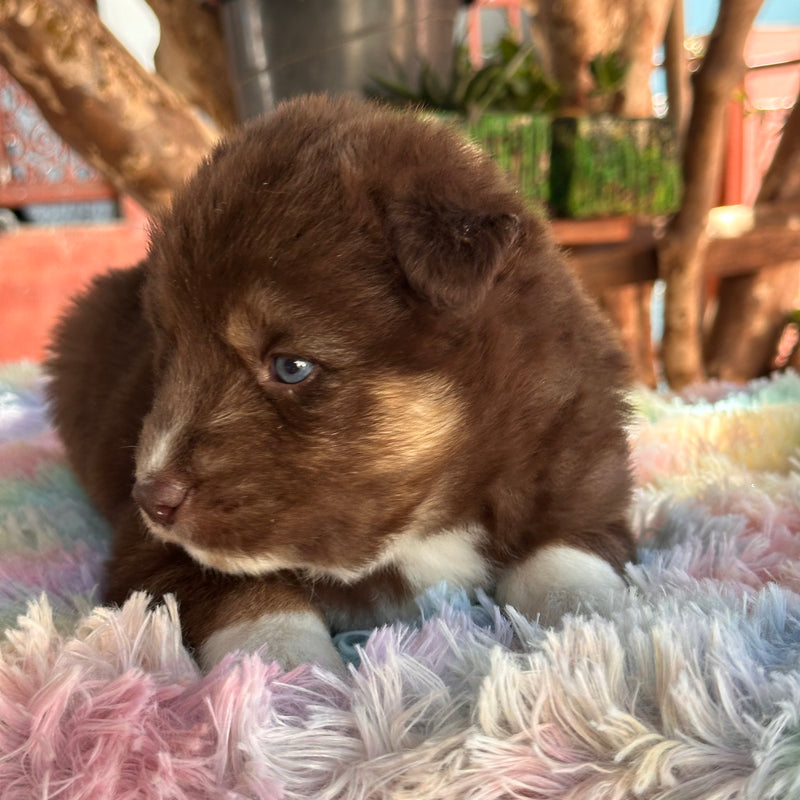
(161, 497)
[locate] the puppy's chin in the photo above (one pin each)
(260, 565)
(231, 562)
(238, 563)
(234, 562)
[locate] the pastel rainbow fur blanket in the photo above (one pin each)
(689, 691)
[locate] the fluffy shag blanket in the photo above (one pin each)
(689, 691)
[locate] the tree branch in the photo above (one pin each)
(191, 57)
(682, 248)
(96, 96)
(676, 66)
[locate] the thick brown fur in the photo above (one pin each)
(462, 377)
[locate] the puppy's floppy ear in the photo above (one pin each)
(451, 255)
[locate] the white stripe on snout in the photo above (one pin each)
(157, 456)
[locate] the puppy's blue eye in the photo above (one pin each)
(291, 369)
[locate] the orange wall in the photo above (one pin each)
(41, 268)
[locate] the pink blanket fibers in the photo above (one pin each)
(690, 691)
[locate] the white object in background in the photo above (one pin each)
(135, 25)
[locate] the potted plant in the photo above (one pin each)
(604, 164)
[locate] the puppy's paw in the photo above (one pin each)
(291, 638)
(558, 579)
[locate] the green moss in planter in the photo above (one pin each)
(520, 143)
(604, 165)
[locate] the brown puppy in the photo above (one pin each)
(353, 365)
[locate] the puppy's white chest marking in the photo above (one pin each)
(450, 555)
(291, 638)
(556, 580)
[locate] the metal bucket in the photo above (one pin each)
(282, 48)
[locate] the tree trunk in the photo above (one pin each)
(191, 57)
(96, 96)
(682, 248)
(577, 31)
(750, 317)
(676, 67)
(752, 309)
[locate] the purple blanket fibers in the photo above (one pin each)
(689, 691)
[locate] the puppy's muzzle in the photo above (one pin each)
(161, 497)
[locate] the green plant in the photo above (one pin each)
(512, 79)
(609, 71)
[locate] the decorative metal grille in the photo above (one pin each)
(36, 166)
